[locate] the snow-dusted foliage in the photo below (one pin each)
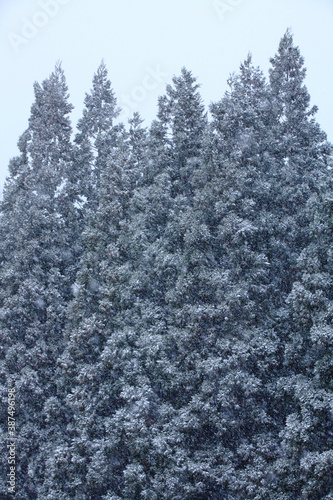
(166, 295)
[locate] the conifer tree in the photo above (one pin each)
(136, 358)
(305, 464)
(79, 467)
(300, 152)
(225, 349)
(300, 156)
(38, 230)
(96, 129)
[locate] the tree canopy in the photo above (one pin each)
(166, 294)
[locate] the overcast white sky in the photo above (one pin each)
(144, 43)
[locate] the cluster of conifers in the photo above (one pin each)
(166, 294)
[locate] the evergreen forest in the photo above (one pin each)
(166, 294)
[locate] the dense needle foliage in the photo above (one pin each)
(166, 294)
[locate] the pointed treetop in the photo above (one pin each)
(100, 106)
(250, 74)
(287, 64)
(287, 81)
(182, 113)
(135, 121)
(55, 83)
(49, 123)
(245, 105)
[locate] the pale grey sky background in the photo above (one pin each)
(144, 43)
